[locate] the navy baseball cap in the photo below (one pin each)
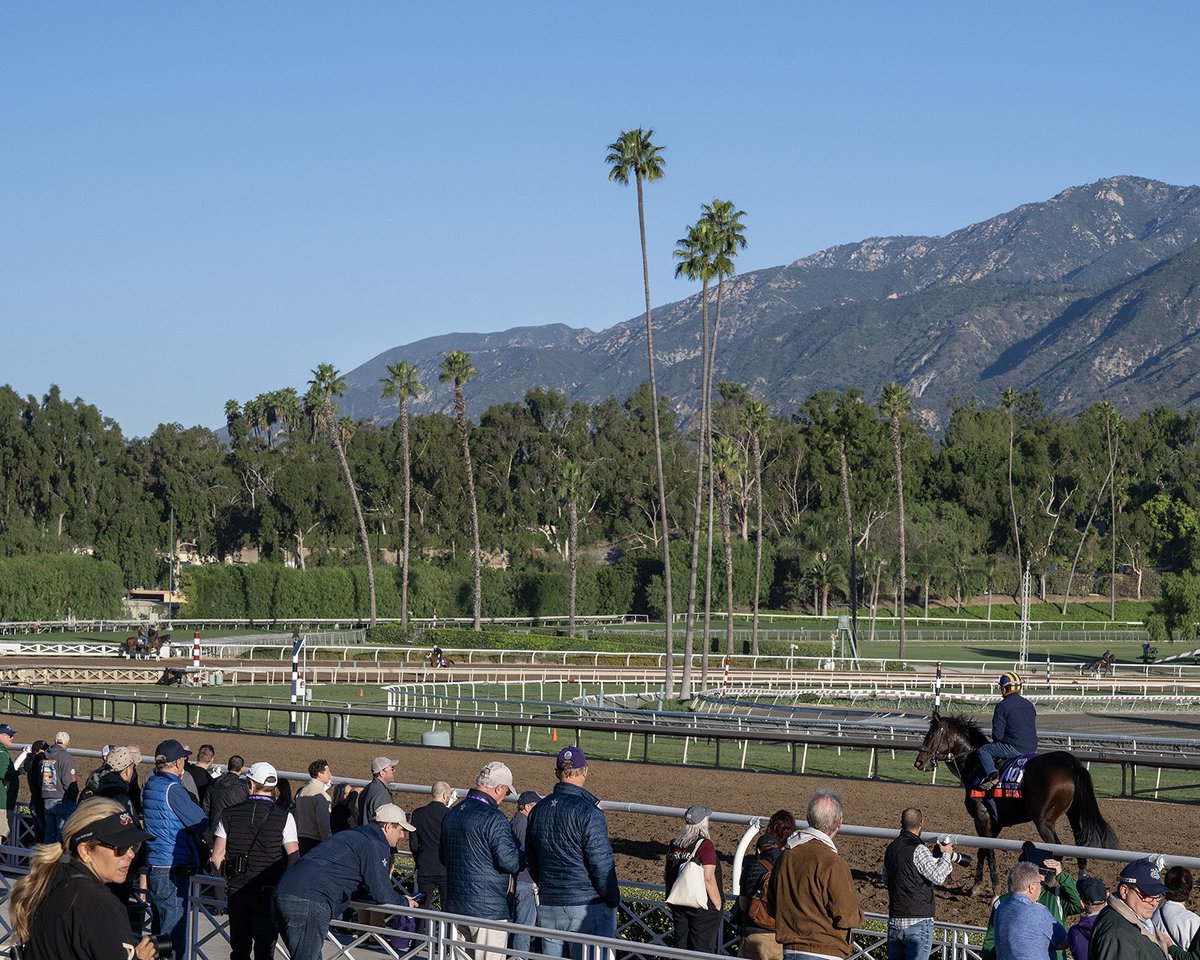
(1145, 875)
(570, 758)
(5, 728)
(1091, 890)
(170, 750)
(529, 796)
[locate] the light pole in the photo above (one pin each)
(792, 665)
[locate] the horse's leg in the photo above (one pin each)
(982, 829)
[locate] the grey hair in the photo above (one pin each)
(1022, 874)
(825, 811)
(691, 833)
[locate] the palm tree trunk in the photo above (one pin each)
(460, 412)
(708, 563)
(727, 535)
(900, 505)
(358, 514)
(1112, 531)
(689, 636)
(1012, 503)
(758, 535)
(572, 563)
(844, 479)
(1083, 537)
(669, 605)
(404, 455)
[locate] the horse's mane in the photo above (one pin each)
(968, 725)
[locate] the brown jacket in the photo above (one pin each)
(812, 898)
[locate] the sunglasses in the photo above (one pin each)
(119, 851)
(1149, 898)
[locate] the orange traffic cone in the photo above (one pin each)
(554, 734)
(360, 689)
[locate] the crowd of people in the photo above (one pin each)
(111, 877)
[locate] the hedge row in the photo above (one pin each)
(60, 585)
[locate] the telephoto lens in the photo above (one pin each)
(962, 859)
(163, 949)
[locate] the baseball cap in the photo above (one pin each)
(170, 750)
(379, 764)
(39, 745)
(570, 758)
(5, 728)
(263, 773)
(529, 796)
(62, 737)
(1145, 875)
(118, 829)
(121, 757)
(696, 812)
(392, 813)
(1091, 890)
(495, 774)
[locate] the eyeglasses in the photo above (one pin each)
(1155, 898)
(119, 851)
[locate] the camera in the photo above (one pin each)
(163, 949)
(962, 859)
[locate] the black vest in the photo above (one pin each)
(254, 830)
(910, 895)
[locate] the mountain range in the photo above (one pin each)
(1090, 295)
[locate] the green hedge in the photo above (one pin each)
(55, 586)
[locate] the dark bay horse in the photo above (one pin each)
(142, 647)
(1055, 783)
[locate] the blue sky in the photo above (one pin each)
(210, 199)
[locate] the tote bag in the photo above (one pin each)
(689, 889)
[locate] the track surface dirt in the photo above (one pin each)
(640, 841)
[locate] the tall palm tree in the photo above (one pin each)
(694, 253)
(728, 465)
(569, 488)
(456, 368)
(895, 404)
(634, 154)
(756, 419)
(404, 383)
(327, 383)
(1008, 402)
(725, 233)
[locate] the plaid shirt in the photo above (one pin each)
(934, 869)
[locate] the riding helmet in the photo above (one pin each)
(1009, 682)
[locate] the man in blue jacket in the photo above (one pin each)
(320, 885)
(175, 824)
(481, 858)
(1014, 729)
(571, 858)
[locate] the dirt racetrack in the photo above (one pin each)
(639, 841)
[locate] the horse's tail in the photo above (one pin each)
(1092, 830)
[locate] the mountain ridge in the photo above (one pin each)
(932, 313)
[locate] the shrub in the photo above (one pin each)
(55, 586)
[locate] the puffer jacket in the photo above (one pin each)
(570, 855)
(174, 823)
(481, 857)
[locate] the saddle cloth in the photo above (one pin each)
(1011, 775)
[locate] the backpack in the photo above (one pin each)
(758, 913)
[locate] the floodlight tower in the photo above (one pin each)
(1024, 657)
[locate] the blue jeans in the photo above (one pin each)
(592, 918)
(525, 913)
(989, 753)
(910, 943)
(303, 925)
(801, 955)
(55, 812)
(168, 889)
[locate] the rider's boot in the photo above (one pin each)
(989, 782)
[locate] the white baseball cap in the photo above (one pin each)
(392, 813)
(263, 773)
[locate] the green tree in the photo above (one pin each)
(895, 404)
(570, 490)
(757, 422)
(456, 369)
(403, 382)
(634, 154)
(327, 383)
(728, 465)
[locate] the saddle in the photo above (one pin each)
(1012, 773)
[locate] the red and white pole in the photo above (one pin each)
(196, 657)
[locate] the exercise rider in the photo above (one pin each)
(1014, 729)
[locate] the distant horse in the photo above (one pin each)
(1103, 665)
(1055, 783)
(142, 647)
(439, 659)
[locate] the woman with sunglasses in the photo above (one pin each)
(62, 908)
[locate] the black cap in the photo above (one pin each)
(1091, 890)
(118, 830)
(1035, 855)
(529, 796)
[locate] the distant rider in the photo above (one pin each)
(1014, 729)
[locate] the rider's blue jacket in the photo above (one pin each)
(1014, 722)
